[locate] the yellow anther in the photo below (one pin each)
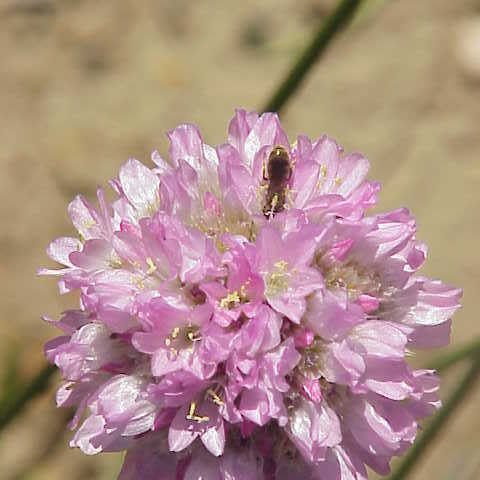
(222, 248)
(193, 335)
(277, 281)
(151, 266)
(243, 292)
(274, 201)
(338, 181)
(281, 265)
(175, 332)
(138, 283)
(168, 342)
(323, 174)
(192, 415)
(230, 300)
(215, 398)
(115, 261)
(252, 234)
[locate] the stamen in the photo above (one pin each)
(193, 335)
(151, 266)
(243, 292)
(115, 261)
(215, 398)
(138, 283)
(278, 280)
(193, 416)
(353, 278)
(230, 300)
(323, 174)
(281, 265)
(274, 202)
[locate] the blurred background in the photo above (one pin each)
(85, 84)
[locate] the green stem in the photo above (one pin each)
(11, 406)
(438, 422)
(337, 20)
(444, 362)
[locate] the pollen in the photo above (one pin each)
(243, 292)
(193, 336)
(281, 265)
(151, 266)
(274, 201)
(192, 414)
(278, 280)
(138, 282)
(182, 338)
(234, 298)
(323, 174)
(230, 301)
(351, 276)
(215, 397)
(214, 226)
(115, 261)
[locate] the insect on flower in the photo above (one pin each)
(279, 171)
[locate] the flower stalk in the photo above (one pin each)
(333, 25)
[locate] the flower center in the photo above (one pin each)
(234, 298)
(182, 338)
(193, 414)
(310, 362)
(277, 281)
(214, 226)
(349, 275)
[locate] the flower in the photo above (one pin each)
(239, 327)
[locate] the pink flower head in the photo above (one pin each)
(243, 319)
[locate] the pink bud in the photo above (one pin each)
(303, 337)
(368, 303)
(312, 390)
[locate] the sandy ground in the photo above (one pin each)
(86, 84)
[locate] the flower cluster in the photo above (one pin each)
(242, 318)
